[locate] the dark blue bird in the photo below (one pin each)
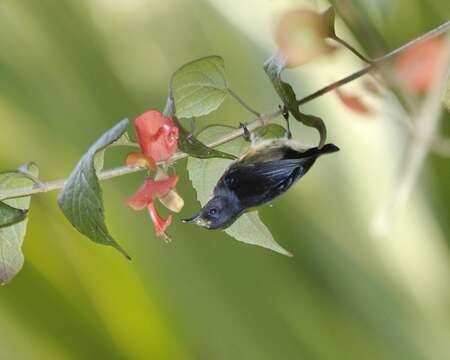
(266, 171)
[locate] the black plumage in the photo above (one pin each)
(266, 171)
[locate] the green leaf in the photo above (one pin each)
(271, 131)
(11, 237)
(10, 215)
(187, 142)
(99, 158)
(81, 198)
(273, 68)
(199, 87)
(204, 175)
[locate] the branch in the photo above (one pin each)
(259, 121)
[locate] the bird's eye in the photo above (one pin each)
(213, 211)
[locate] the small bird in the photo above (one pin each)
(268, 169)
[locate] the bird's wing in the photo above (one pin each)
(258, 183)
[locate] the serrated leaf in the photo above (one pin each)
(81, 199)
(204, 175)
(11, 237)
(199, 87)
(273, 68)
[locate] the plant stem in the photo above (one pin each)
(259, 121)
(352, 49)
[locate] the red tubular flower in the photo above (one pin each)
(145, 196)
(160, 224)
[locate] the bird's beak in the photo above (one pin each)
(196, 219)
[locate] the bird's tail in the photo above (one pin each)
(316, 152)
(327, 149)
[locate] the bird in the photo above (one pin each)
(268, 169)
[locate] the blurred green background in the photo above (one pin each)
(70, 70)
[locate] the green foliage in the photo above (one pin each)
(81, 198)
(12, 235)
(10, 215)
(187, 142)
(204, 175)
(99, 158)
(199, 87)
(273, 68)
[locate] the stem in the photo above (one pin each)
(259, 121)
(243, 103)
(352, 49)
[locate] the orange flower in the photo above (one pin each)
(157, 137)
(417, 67)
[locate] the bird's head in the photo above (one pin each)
(219, 212)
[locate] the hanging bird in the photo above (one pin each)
(268, 169)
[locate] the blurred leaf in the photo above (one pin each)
(10, 215)
(353, 102)
(328, 18)
(271, 131)
(81, 198)
(300, 35)
(273, 68)
(199, 87)
(11, 237)
(204, 175)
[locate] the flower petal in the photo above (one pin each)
(172, 200)
(161, 225)
(149, 190)
(157, 135)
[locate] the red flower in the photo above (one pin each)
(417, 67)
(145, 196)
(150, 190)
(157, 136)
(160, 224)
